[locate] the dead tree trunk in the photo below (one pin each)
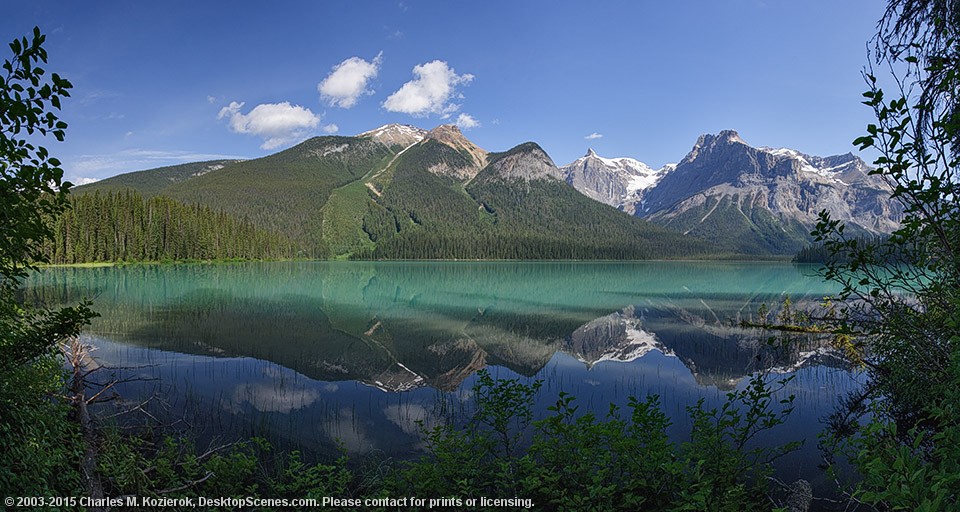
(78, 356)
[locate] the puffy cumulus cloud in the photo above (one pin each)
(330, 128)
(466, 121)
(348, 81)
(276, 123)
(593, 136)
(429, 92)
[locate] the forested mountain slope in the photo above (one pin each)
(401, 192)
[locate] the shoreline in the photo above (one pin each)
(731, 259)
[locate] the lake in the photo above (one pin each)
(315, 355)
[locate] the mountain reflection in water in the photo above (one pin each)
(360, 352)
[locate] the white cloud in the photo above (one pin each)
(466, 121)
(349, 431)
(84, 181)
(593, 136)
(97, 96)
(409, 418)
(330, 128)
(277, 124)
(348, 81)
(429, 92)
(265, 396)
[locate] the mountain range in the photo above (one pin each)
(400, 192)
(744, 199)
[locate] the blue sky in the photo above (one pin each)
(160, 83)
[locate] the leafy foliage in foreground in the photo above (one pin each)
(901, 296)
(577, 461)
(31, 186)
(171, 467)
(39, 447)
(566, 461)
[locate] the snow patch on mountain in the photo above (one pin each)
(831, 173)
(396, 134)
(619, 182)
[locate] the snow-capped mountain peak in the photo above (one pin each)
(770, 196)
(619, 182)
(396, 134)
(838, 169)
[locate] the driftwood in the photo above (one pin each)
(82, 365)
(78, 357)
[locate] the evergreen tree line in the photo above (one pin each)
(823, 253)
(124, 226)
(425, 216)
(495, 244)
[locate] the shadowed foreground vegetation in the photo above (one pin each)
(566, 461)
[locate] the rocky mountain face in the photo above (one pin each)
(526, 162)
(618, 182)
(451, 136)
(753, 200)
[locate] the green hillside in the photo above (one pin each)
(358, 215)
(356, 197)
(570, 225)
(152, 182)
(423, 215)
(286, 191)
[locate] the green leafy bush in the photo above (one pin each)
(576, 461)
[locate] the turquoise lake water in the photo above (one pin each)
(313, 355)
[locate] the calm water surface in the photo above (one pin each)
(316, 354)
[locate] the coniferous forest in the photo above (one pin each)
(125, 226)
